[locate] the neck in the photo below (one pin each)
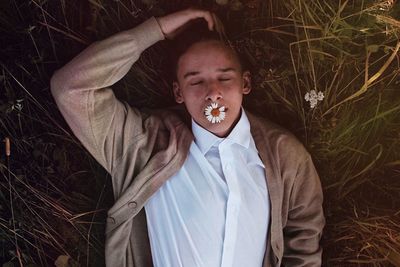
(225, 133)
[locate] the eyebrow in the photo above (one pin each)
(193, 73)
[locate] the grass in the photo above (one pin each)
(54, 196)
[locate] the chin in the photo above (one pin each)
(221, 129)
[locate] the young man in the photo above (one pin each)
(209, 185)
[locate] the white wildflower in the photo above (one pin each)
(18, 105)
(313, 97)
(320, 96)
(214, 114)
(307, 97)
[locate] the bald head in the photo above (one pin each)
(195, 53)
(197, 33)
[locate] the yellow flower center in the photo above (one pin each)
(215, 112)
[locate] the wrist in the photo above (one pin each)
(159, 25)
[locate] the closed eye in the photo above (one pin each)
(224, 79)
(196, 83)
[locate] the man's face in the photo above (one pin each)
(209, 72)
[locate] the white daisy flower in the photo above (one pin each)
(214, 114)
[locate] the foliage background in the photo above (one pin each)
(53, 195)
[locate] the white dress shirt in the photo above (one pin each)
(215, 210)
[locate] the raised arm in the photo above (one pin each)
(82, 93)
(103, 124)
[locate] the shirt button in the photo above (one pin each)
(110, 220)
(228, 167)
(132, 204)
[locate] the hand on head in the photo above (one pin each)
(174, 23)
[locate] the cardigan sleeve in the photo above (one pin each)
(81, 89)
(306, 220)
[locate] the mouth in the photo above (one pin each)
(215, 113)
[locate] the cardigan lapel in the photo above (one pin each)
(258, 132)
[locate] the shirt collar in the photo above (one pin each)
(240, 134)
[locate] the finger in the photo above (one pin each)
(216, 26)
(210, 21)
(219, 26)
(208, 18)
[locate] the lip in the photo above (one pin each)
(226, 108)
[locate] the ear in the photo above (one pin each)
(177, 92)
(246, 76)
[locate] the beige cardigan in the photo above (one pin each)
(141, 151)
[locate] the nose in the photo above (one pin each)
(213, 93)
